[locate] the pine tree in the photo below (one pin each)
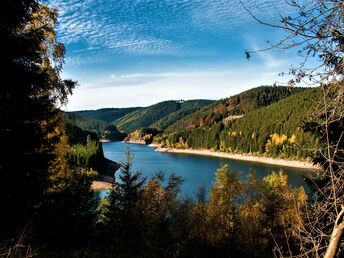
(30, 93)
(122, 215)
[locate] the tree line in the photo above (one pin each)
(149, 218)
(276, 131)
(236, 105)
(49, 209)
(102, 129)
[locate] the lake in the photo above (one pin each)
(195, 170)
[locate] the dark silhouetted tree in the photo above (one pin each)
(31, 92)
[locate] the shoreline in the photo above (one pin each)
(135, 142)
(100, 185)
(244, 157)
(154, 145)
(105, 179)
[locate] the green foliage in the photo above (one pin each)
(160, 115)
(226, 109)
(89, 155)
(186, 108)
(277, 134)
(111, 133)
(119, 218)
(101, 128)
(261, 131)
(76, 135)
(92, 125)
(104, 114)
(68, 214)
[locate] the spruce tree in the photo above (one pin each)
(122, 215)
(30, 94)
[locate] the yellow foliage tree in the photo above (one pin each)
(221, 208)
(181, 144)
(281, 206)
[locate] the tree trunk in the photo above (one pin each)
(335, 236)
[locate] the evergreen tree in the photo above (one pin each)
(121, 214)
(30, 93)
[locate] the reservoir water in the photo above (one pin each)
(195, 170)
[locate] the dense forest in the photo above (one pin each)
(237, 220)
(47, 166)
(262, 131)
(85, 150)
(172, 116)
(160, 115)
(232, 107)
(101, 128)
(105, 122)
(104, 114)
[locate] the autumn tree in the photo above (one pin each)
(316, 30)
(222, 206)
(66, 217)
(163, 217)
(250, 217)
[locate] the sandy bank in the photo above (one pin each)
(135, 141)
(100, 185)
(155, 145)
(245, 157)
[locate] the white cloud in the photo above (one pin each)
(145, 27)
(145, 88)
(99, 30)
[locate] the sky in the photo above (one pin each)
(126, 53)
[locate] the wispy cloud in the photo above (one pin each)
(152, 27)
(139, 52)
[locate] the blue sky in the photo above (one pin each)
(139, 52)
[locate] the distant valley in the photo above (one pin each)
(115, 123)
(265, 121)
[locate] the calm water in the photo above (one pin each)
(195, 170)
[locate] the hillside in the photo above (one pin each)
(101, 128)
(233, 107)
(160, 115)
(264, 130)
(104, 114)
(76, 135)
(85, 151)
(172, 116)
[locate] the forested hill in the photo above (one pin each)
(85, 151)
(171, 116)
(160, 115)
(103, 129)
(233, 107)
(104, 114)
(100, 121)
(275, 130)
